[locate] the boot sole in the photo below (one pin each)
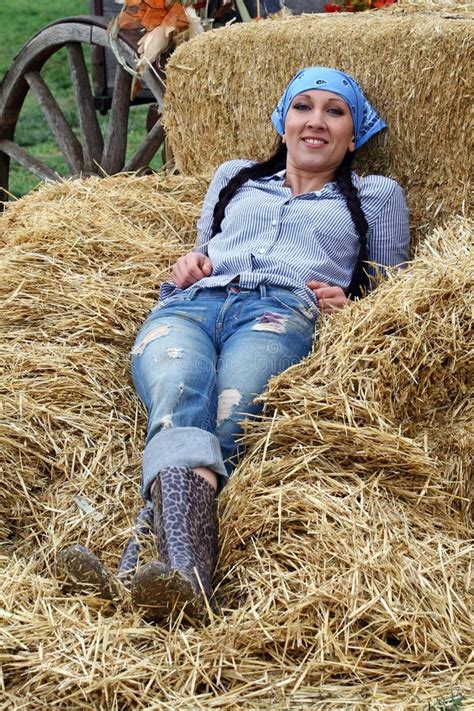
(80, 571)
(159, 592)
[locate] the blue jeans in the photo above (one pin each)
(198, 362)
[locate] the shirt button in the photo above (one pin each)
(274, 222)
(261, 251)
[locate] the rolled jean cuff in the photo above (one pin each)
(181, 447)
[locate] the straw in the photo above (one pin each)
(345, 558)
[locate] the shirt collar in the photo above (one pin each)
(280, 176)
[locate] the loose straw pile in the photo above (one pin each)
(345, 562)
(80, 269)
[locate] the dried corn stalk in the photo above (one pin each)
(162, 22)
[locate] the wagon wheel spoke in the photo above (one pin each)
(31, 163)
(147, 150)
(4, 174)
(115, 146)
(91, 136)
(63, 133)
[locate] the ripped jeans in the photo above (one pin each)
(198, 362)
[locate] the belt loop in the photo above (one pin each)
(192, 291)
(263, 291)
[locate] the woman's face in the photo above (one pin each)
(318, 132)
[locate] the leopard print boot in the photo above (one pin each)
(185, 523)
(80, 571)
(129, 561)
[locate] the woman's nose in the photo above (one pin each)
(316, 118)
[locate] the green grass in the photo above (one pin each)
(20, 20)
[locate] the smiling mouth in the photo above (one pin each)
(314, 141)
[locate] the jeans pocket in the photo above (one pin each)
(181, 295)
(297, 306)
(169, 300)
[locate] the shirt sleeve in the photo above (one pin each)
(223, 174)
(388, 238)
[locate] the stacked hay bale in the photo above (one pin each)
(414, 68)
(344, 564)
(447, 7)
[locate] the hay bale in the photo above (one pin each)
(447, 7)
(344, 557)
(415, 68)
(80, 269)
(388, 390)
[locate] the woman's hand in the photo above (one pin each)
(330, 298)
(190, 268)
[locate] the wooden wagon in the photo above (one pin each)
(100, 84)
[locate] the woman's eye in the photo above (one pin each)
(335, 111)
(301, 107)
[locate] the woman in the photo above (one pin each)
(278, 242)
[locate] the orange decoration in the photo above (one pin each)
(149, 14)
(176, 17)
(151, 18)
(127, 21)
(128, 18)
(155, 4)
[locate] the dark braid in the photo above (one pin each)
(276, 162)
(253, 172)
(360, 281)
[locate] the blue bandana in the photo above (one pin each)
(366, 120)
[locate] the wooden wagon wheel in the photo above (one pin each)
(93, 153)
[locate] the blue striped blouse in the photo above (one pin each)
(270, 237)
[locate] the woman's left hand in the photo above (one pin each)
(330, 298)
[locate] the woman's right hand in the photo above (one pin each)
(190, 268)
